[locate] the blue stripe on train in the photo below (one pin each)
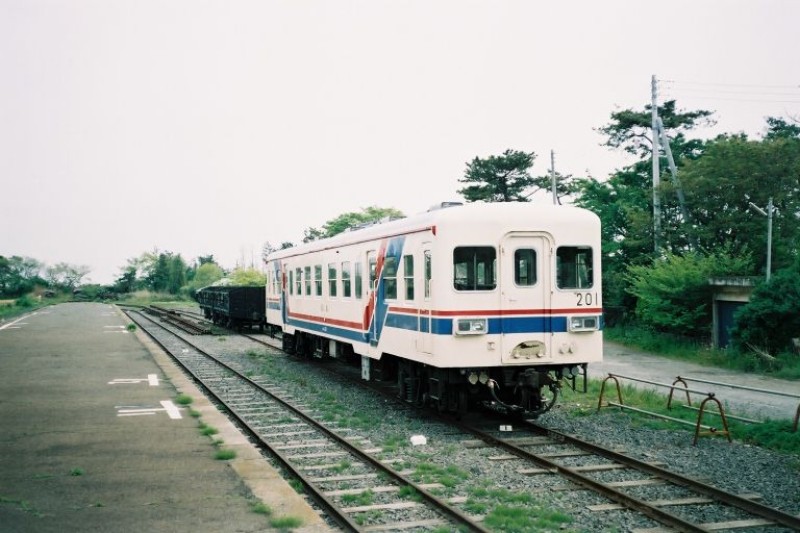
(440, 326)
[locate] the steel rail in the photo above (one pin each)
(436, 502)
(719, 495)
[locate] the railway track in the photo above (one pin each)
(312, 452)
(681, 503)
(582, 464)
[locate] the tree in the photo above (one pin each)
(501, 178)
(247, 276)
(345, 221)
(66, 276)
(631, 130)
(733, 172)
(673, 294)
(624, 202)
(771, 320)
(18, 275)
(126, 282)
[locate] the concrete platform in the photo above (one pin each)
(91, 442)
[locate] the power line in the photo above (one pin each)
(716, 84)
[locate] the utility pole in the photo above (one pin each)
(768, 214)
(656, 168)
(553, 176)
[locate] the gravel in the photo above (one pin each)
(735, 467)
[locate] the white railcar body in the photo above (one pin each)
(477, 290)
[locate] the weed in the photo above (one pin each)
(362, 498)
(76, 472)
(262, 508)
(393, 443)
(131, 327)
(225, 455)
(297, 485)
(342, 466)
(368, 517)
(525, 519)
(184, 399)
(194, 414)
(208, 430)
(22, 505)
(286, 522)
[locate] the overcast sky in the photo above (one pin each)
(211, 127)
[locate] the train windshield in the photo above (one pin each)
(474, 268)
(574, 265)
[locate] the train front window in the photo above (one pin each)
(474, 268)
(574, 267)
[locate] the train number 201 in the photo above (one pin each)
(587, 298)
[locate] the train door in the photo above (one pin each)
(425, 321)
(525, 296)
(372, 296)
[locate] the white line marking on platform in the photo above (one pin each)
(152, 379)
(18, 321)
(170, 408)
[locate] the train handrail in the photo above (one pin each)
(684, 379)
(710, 397)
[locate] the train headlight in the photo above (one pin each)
(472, 378)
(483, 377)
(470, 326)
(584, 323)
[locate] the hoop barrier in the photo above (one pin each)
(743, 387)
(680, 385)
(699, 428)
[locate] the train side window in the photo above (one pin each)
(298, 281)
(474, 268)
(390, 277)
(333, 280)
(345, 279)
(318, 280)
(291, 282)
(372, 263)
(525, 267)
(359, 279)
(408, 276)
(428, 273)
(307, 281)
(574, 267)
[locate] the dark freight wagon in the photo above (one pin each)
(234, 307)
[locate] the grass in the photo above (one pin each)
(207, 430)
(286, 522)
(774, 435)
(225, 455)
(22, 505)
(184, 399)
(505, 510)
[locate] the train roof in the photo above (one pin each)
(512, 215)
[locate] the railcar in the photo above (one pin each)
(235, 307)
(491, 303)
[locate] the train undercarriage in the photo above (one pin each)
(520, 391)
